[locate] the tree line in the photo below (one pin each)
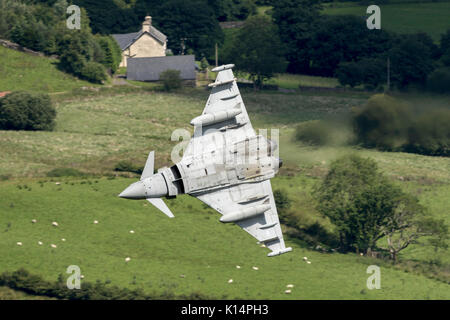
(41, 27)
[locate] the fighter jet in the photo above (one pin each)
(225, 164)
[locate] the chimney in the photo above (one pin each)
(146, 24)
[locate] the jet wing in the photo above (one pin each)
(265, 227)
(224, 114)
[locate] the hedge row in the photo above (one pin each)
(33, 284)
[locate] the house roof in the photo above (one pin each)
(126, 39)
(149, 69)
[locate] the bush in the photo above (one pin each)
(358, 200)
(439, 80)
(314, 133)
(26, 111)
(94, 72)
(383, 123)
(430, 134)
(126, 166)
(65, 172)
(35, 285)
(171, 79)
(368, 71)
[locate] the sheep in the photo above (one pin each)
(81, 276)
(63, 239)
(55, 224)
(53, 245)
(305, 258)
(182, 276)
(263, 245)
(19, 243)
(230, 281)
(95, 222)
(238, 267)
(131, 231)
(57, 183)
(40, 243)
(288, 291)
(127, 259)
(290, 286)
(308, 262)
(255, 268)
(34, 221)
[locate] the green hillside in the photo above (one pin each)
(190, 253)
(23, 71)
(193, 252)
(429, 17)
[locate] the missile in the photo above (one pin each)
(245, 213)
(210, 118)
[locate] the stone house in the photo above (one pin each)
(146, 43)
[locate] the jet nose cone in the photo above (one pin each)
(134, 191)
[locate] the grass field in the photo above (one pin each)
(191, 253)
(20, 71)
(94, 132)
(407, 17)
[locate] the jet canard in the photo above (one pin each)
(226, 165)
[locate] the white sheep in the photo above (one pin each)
(95, 222)
(127, 259)
(308, 262)
(290, 286)
(305, 258)
(63, 239)
(230, 281)
(55, 224)
(53, 245)
(131, 231)
(255, 268)
(19, 243)
(287, 291)
(40, 243)
(34, 220)
(238, 267)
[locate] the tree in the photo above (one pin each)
(189, 25)
(26, 111)
(257, 49)
(296, 21)
(445, 48)
(408, 223)
(411, 61)
(358, 200)
(368, 71)
(345, 38)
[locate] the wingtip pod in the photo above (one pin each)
(277, 253)
(223, 67)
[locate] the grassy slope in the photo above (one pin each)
(431, 18)
(94, 133)
(193, 244)
(21, 71)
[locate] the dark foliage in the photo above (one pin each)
(65, 172)
(383, 123)
(35, 285)
(253, 53)
(296, 21)
(171, 79)
(26, 111)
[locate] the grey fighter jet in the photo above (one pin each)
(226, 165)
